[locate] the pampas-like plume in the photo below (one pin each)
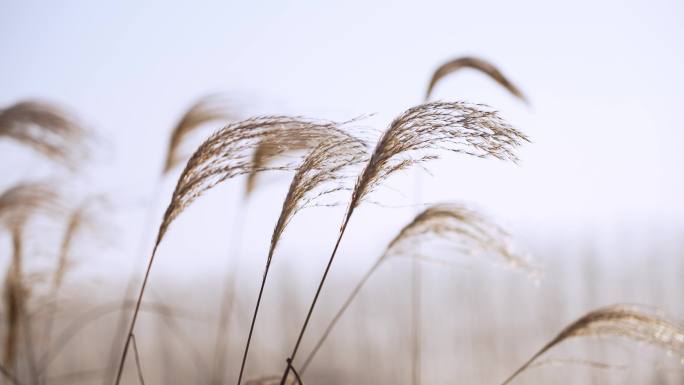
(457, 226)
(458, 127)
(319, 174)
(46, 129)
(224, 155)
(17, 204)
(208, 109)
(477, 64)
(627, 321)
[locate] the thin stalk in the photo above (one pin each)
(142, 247)
(339, 314)
(227, 299)
(129, 336)
(254, 316)
(141, 378)
(315, 299)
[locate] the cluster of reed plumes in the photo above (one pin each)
(328, 161)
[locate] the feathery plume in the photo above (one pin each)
(47, 129)
(475, 63)
(627, 321)
(208, 109)
(17, 205)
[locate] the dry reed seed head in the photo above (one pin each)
(477, 64)
(460, 228)
(47, 129)
(19, 203)
(632, 322)
(472, 129)
(211, 108)
(636, 323)
(323, 172)
(80, 219)
(228, 153)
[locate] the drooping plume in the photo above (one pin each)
(427, 129)
(476, 64)
(461, 229)
(627, 321)
(46, 129)
(18, 203)
(228, 153)
(208, 109)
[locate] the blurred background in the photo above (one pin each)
(595, 200)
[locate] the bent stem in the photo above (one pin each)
(339, 314)
(315, 299)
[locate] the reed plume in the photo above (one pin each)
(320, 174)
(224, 155)
(477, 64)
(17, 205)
(211, 108)
(626, 321)
(429, 128)
(457, 227)
(46, 129)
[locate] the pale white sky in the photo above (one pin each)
(604, 79)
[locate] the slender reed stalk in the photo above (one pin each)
(477, 64)
(626, 321)
(458, 127)
(138, 365)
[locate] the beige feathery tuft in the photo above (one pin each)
(477, 64)
(462, 229)
(228, 153)
(47, 129)
(472, 129)
(627, 321)
(321, 173)
(17, 205)
(208, 109)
